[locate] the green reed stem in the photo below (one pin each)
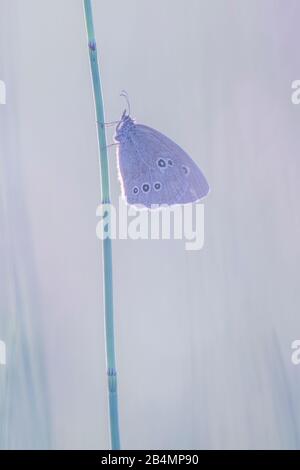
(107, 249)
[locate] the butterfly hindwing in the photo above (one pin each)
(193, 183)
(154, 170)
(134, 173)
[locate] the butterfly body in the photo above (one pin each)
(155, 171)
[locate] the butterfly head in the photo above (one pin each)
(124, 126)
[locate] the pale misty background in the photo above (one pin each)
(203, 338)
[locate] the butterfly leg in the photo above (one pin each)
(107, 124)
(110, 145)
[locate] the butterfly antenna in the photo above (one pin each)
(125, 95)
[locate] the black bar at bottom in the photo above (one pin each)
(134, 459)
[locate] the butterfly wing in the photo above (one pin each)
(155, 170)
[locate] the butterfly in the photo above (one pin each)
(153, 170)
